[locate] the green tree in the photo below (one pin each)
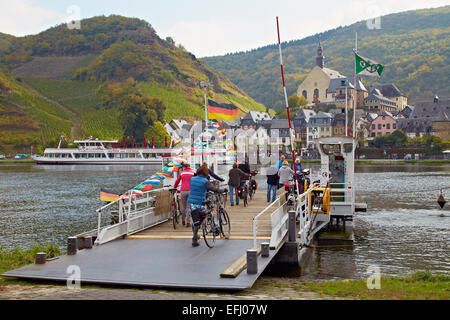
(158, 132)
(137, 113)
(303, 102)
(294, 101)
(399, 138)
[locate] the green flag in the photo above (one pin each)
(367, 67)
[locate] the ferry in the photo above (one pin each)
(102, 152)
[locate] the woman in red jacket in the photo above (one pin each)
(185, 178)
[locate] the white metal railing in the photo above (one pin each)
(309, 221)
(133, 216)
(279, 220)
(255, 218)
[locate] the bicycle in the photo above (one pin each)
(242, 191)
(252, 184)
(210, 228)
(222, 196)
(175, 207)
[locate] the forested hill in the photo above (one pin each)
(414, 47)
(87, 74)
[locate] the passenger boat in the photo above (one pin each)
(102, 152)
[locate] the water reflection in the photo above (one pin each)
(47, 203)
(402, 231)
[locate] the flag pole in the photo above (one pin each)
(354, 118)
(287, 110)
(356, 90)
(346, 107)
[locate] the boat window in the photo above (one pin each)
(330, 148)
(91, 155)
(348, 147)
(77, 155)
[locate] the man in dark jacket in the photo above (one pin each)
(234, 182)
(199, 184)
(272, 183)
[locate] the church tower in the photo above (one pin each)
(320, 58)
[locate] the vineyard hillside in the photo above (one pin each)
(69, 67)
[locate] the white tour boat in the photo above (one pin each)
(104, 152)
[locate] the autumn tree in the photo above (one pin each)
(158, 132)
(137, 112)
(294, 101)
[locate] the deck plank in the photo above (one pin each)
(241, 222)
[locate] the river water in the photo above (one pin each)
(403, 229)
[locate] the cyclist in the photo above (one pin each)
(185, 178)
(298, 168)
(234, 181)
(211, 172)
(285, 173)
(272, 183)
(280, 162)
(199, 185)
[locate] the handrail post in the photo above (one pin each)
(129, 212)
(99, 223)
(291, 226)
(255, 226)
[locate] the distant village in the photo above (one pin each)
(381, 110)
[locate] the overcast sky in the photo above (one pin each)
(210, 27)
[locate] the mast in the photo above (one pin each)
(346, 106)
(354, 120)
(287, 109)
(205, 85)
(356, 90)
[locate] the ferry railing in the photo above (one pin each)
(134, 215)
(311, 220)
(276, 220)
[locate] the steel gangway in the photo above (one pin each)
(134, 244)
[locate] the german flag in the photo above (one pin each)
(108, 195)
(222, 111)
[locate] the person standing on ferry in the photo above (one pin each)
(185, 178)
(234, 181)
(280, 162)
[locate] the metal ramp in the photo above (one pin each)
(169, 263)
(130, 253)
(142, 249)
